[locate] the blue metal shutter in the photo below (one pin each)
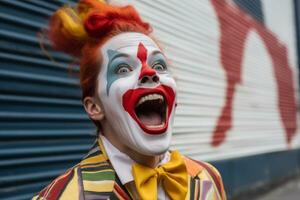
(253, 8)
(43, 127)
(297, 25)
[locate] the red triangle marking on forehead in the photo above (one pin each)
(142, 53)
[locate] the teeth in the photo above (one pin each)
(150, 97)
(157, 126)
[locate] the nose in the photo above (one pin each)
(148, 75)
(149, 79)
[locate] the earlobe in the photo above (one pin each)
(94, 110)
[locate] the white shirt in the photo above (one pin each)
(122, 164)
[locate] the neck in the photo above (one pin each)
(146, 160)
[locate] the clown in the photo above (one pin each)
(129, 93)
(135, 79)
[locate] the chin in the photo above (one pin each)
(150, 114)
(152, 144)
(158, 150)
(155, 147)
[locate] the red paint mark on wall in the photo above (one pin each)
(235, 25)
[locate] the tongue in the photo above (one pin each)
(151, 119)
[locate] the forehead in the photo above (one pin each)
(128, 43)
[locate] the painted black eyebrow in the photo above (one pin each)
(157, 52)
(119, 55)
(154, 53)
(113, 54)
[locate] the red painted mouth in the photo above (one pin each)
(150, 107)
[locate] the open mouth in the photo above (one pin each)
(150, 107)
(151, 110)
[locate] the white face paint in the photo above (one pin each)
(137, 92)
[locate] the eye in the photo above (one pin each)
(159, 67)
(123, 69)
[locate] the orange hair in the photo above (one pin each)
(80, 31)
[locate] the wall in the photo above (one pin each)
(236, 66)
(236, 71)
(43, 127)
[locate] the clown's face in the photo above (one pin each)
(137, 92)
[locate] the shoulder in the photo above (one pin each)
(64, 185)
(83, 180)
(206, 171)
(92, 177)
(211, 170)
(196, 167)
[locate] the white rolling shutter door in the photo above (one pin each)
(189, 33)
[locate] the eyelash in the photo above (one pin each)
(161, 64)
(123, 66)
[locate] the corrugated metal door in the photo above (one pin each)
(43, 128)
(297, 28)
(262, 105)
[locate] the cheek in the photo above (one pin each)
(167, 79)
(122, 85)
(101, 84)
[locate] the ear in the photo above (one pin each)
(93, 109)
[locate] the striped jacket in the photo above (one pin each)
(95, 179)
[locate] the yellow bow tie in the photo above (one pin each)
(173, 175)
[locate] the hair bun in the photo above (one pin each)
(70, 29)
(66, 31)
(97, 24)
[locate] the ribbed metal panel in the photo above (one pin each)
(43, 127)
(190, 33)
(297, 30)
(253, 7)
